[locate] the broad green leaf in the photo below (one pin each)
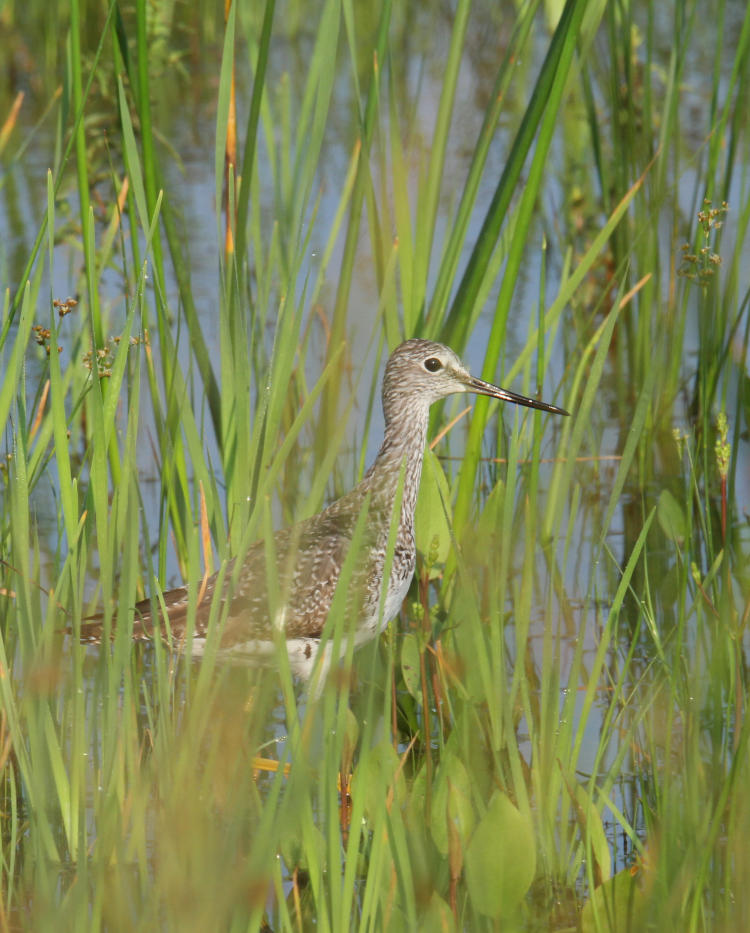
(374, 777)
(415, 810)
(295, 848)
(451, 804)
(438, 915)
(432, 529)
(410, 665)
(501, 858)
(671, 517)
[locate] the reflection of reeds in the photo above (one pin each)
(559, 718)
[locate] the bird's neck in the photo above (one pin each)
(402, 450)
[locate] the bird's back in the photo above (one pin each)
(291, 584)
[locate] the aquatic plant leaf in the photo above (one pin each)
(671, 516)
(501, 858)
(410, 665)
(431, 526)
(452, 812)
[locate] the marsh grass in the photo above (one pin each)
(554, 734)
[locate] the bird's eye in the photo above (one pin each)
(433, 364)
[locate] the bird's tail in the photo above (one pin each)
(170, 620)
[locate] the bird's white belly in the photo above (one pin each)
(371, 627)
(393, 600)
(303, 651)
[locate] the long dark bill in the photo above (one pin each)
(486, 388)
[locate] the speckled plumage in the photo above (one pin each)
(309, 556)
